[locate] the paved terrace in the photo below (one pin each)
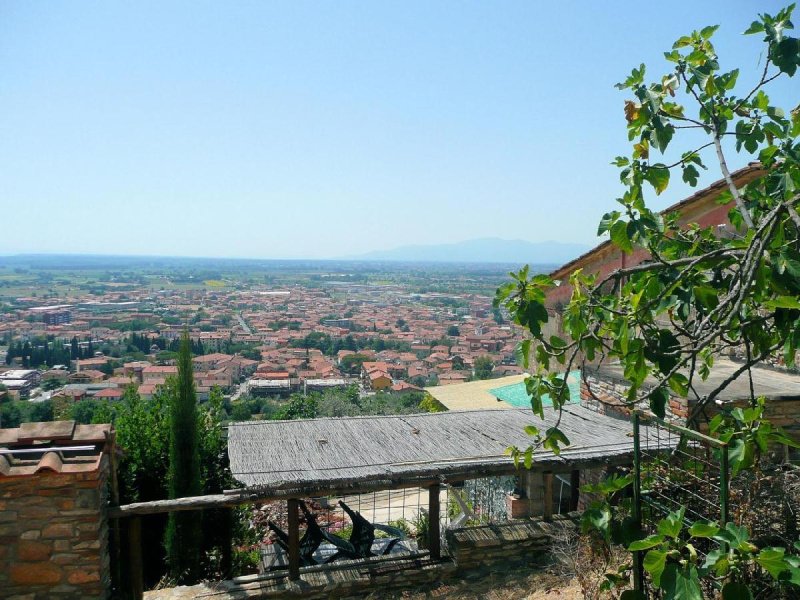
(774, 384)
(473, 395)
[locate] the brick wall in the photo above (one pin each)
(606, 395)
(53, 524)
(54, 536)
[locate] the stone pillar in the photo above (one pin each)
(54, 536)
(53, 525)
(533, 484)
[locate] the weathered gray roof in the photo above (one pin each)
(275, 453)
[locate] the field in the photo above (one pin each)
(55, 277)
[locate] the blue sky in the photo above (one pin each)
(323, 129)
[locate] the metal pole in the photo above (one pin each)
(638, 568)
(294, 539)
(724, 485)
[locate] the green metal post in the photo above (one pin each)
(638, 569)
(724, 485)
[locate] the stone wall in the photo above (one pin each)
(504, 545)
(54, 535)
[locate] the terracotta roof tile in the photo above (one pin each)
(58, 447)
(56, 430)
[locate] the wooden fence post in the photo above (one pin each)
(136, 581)
(434, 540)
(294, 539)
(548, 494)
(575, 489)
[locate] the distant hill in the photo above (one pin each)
(484, 250)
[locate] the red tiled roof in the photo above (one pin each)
(740, 177)
(57, 447)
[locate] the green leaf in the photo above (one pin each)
(690, 175)
(755, 27)
(681, 583)
(672, 524)
(553, 438)
(611, 484)
(707, 32)
(783, 302)
(597, 518)
(733, 590)
(607, 221)
(740, 454)
(662, 135)
(651, 541)
(679, 384)
(654, 563)
(703, 530)
(619, 235)
(522, 353)
(772, 560)
(658, 401)
(635, 78)
(735, 536)
(657, 176)
(717, 559)
(528, 458)
(786, 55)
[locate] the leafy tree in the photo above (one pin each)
(216, 478)
(699, 294)
(431, 404)
(51, 384)
(241, 411)
(11, 414)
(352, 363)
(84, 410)
(483, 366)
(184, 535)
(40, 411)
(453, 331)
(298, 407)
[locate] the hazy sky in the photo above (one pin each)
(322, 129)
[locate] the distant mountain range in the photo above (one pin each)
(484, 250)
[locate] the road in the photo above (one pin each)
(240, 390)
(244, 325)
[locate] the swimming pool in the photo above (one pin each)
(517, 396)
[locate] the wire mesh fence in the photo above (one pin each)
(675, 469)
(680, 468)
(404, 512)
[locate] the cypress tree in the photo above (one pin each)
(184, 535)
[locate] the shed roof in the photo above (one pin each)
(330, 450)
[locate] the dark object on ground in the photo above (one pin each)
(362, 537)
(310, 541)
